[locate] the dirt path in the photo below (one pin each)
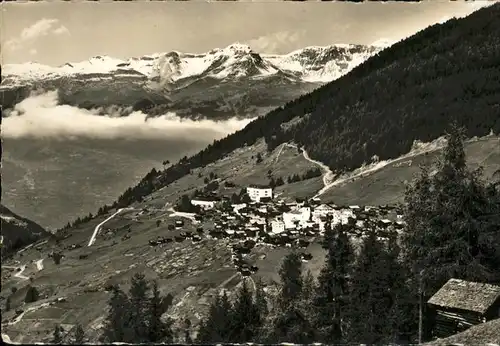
(98, 227)
(328, 175)
(20, 275)
(30, 309)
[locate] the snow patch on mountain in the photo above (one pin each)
(311, 64)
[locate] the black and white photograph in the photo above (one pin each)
(264, 172)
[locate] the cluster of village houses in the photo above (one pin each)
(275, 216)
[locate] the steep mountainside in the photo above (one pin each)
(410, 91)
(17, 231)
(233, 81)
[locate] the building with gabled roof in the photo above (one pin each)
(460, 304)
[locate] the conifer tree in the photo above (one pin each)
(246, 317)
(308, 289)
(290, 322)
(331, 294)
(218, 324)
(187, 331)
(139, 304)
(291, 280)
(157, 329)
(369, 295)
(7, 303)
(117, 327)
(260, 298)
(79, 335)
(291, 325)
(56, 335)
(32, 294)
(402, 316)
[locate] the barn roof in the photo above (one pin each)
(466, 295)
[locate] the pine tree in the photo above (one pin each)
(117, 327)
(32, 295)
(331, 294)
(158, 330)
(402, 316)
(7, 304)
(260, 298)
(187, 332)
(291, 323)
(308, 287)
(218, 324)
(246, 318)
(138, 307)
(79, 335)
(291, 280)
(56, 335)
(369, 294)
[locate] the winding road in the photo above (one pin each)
(328, 175)
(20, 275)
(98, 227)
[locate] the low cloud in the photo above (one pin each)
(41, 28)
(278, 42)
(41, 116)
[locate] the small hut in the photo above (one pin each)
(461, 304)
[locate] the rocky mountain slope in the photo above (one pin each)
(18, 232)
(227, 82)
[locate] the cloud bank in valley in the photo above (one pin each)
(41, 116)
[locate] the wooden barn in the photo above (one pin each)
(461, 304)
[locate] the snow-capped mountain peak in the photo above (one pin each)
(311, 64)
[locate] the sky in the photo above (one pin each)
(54, 33)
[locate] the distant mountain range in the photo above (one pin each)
(227, 82)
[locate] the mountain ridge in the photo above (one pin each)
(220, 84)
(151, 65)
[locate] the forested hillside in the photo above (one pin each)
(17, 231)
(412, 90)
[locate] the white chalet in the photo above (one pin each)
(256, 193)
(299, 216)
(277, 226)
